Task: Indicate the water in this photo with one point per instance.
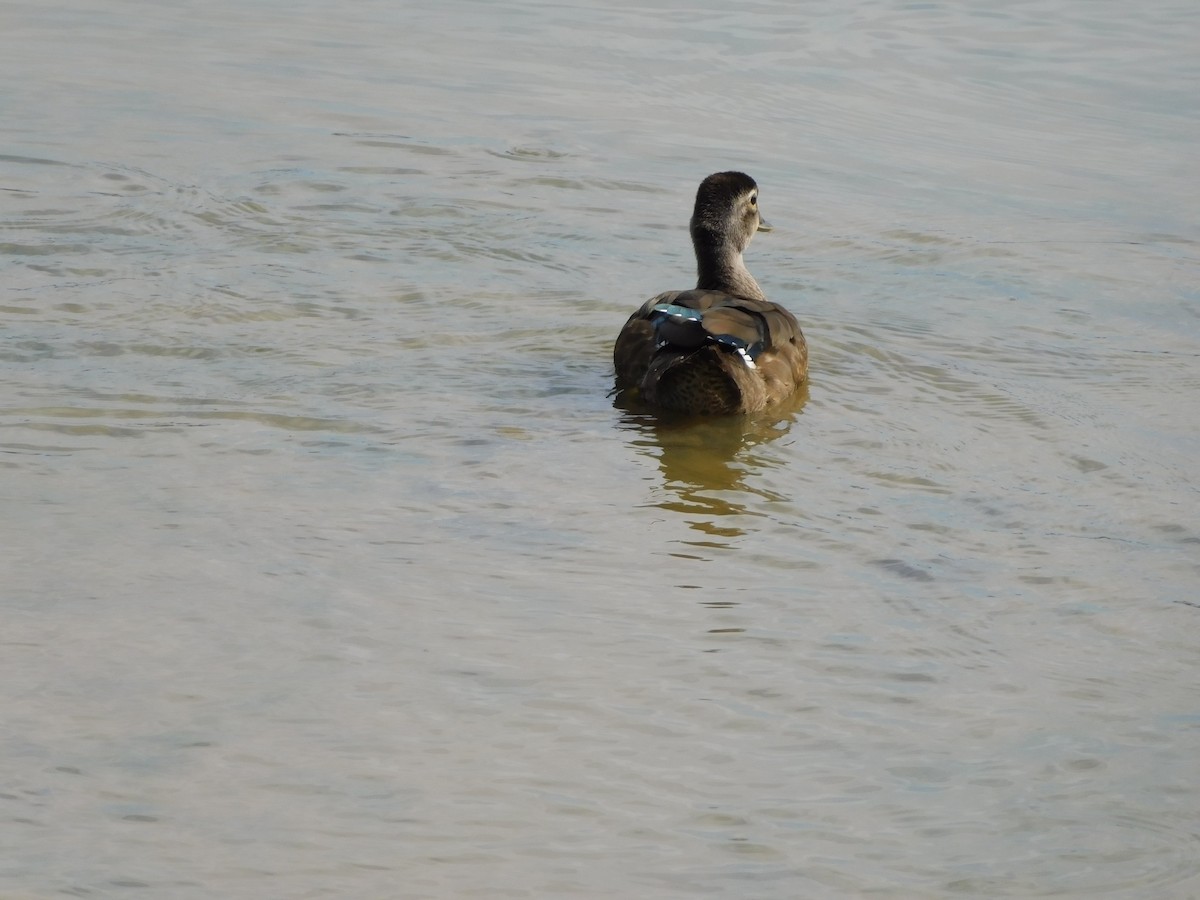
(331, 569)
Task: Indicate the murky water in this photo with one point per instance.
(329, 567)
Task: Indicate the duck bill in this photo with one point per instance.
(764, 225)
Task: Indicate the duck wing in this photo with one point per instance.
(670, 327)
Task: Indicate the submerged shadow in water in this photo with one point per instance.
(705, 461)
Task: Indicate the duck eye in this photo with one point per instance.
(754, 199)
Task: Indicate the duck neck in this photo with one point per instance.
(719, 267)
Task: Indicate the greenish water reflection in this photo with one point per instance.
(706, 462)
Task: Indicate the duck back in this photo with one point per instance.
(710, 353)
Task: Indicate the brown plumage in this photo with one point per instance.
(723, 347)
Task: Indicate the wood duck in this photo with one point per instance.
(722, 348)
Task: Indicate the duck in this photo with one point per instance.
(722, 348)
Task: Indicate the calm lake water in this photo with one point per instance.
(330, 568)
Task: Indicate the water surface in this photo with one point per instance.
(331, 568)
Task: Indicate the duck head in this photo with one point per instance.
(726, 216)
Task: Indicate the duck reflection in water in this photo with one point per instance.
(705, 461)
